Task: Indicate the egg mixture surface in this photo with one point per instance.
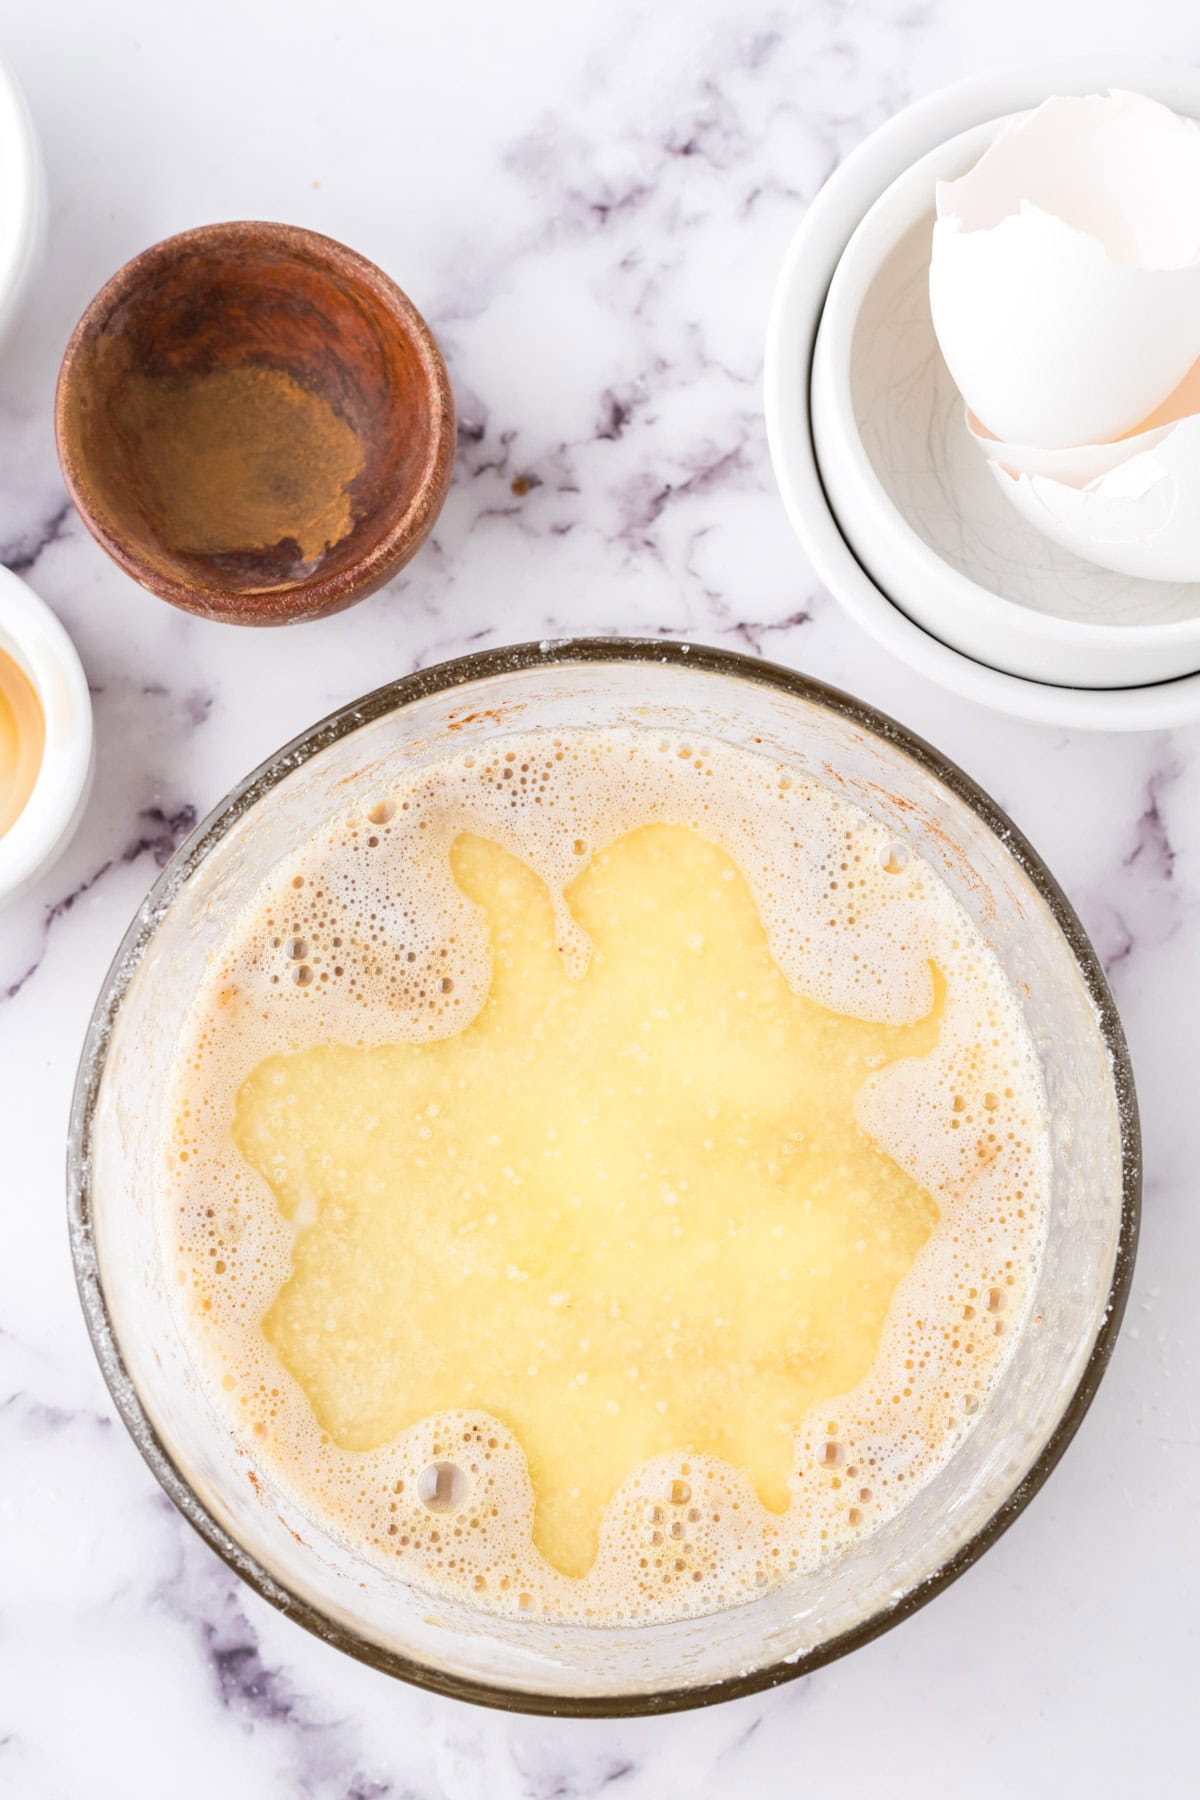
(605, 1175)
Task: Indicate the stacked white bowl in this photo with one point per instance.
(892, 499)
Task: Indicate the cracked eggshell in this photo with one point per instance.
(1132, 506)
(1140, 518)
(1065, 275)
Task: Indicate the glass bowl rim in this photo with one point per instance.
(394, 696)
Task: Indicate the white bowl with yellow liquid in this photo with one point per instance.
(45, 737)
(127, 1275)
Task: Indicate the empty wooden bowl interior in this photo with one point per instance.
(255, 422)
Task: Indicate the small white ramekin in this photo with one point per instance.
(876, 572)
(22, 199)
(37, 643)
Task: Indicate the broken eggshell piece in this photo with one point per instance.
(1065, 275)
(1140, 518)
(1132, 506)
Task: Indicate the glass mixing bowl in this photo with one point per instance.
(126, 1281)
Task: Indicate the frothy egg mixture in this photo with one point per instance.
(607, 1174)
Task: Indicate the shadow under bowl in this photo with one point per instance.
(255, 423)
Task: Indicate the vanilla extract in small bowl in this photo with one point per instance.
(255, 423)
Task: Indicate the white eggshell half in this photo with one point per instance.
(1065, 276)
(1140, 518)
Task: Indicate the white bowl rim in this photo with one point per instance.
(795, 313)
(33, 635)
(24, 184)
(852, 280)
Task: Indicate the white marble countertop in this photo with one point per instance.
(590, 204)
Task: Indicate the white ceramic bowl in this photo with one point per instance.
(916, 499)
(37, 643)
(915, 601)
(22, 199)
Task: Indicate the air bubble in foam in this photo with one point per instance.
(401, 954)
(443, 1487)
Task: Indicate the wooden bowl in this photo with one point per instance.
(255, 423)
